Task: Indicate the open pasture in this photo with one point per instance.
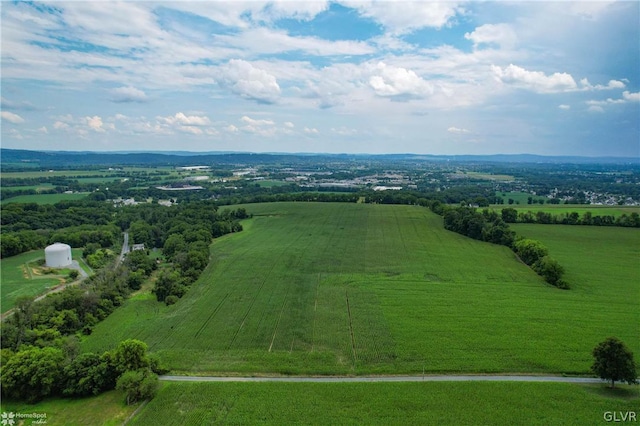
(45, 198)
(488, 176)
(54, 173)
(324, 288)
(37, 188)
(20, 276)
(18, 281)
(581, 209)
(444, 403)
(107, 409)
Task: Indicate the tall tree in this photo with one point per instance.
(614, 361)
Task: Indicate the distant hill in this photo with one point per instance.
(66, 159)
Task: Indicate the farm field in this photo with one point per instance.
(454, 403)
(271, 183)
(108, 409)
(16, 282)
(559, 209)
(487, 176)
(617, 253)
(323, 288)
(44, 198)
(38, 188)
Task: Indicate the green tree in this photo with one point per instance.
(510, 215)
(88, 374)
(175, 243)
(614, 361)
(550, 270)
(131, 354)
(138, 385)
(530, 251)
(33, 373)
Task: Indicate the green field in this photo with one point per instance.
(44, 198)
(105, 409)
(38, 188)
(444, 403)
(16, 281)
(271, 183)
(488, 176)
(56, 173)
(323, 288)
(559, 209)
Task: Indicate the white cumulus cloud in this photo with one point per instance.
(95, 123)
(185, 120)
(253, 122)
(631, 97)
(627, 97)
(536, 81)
(401, 17)
(564, 106)
(613, 84)
(11, 117)
(501, 34)
(397, 81)
(250, 82)
(458, 130)
(128, 94)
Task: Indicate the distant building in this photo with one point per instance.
(58, 255)
(137, 247)
(387, 188)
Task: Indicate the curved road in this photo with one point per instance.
(427, 378)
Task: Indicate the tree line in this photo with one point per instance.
(489, 226)
(511, 215)
(33, 373)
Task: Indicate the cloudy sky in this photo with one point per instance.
(552, 78)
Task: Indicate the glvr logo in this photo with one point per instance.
(620, 416)
(7, 419)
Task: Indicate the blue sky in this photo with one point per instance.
(550, 78)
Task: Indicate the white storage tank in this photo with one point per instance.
(58, 255)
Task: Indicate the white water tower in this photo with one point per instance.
(58, 255)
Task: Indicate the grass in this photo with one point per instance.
(16, 280)
(558, 209)
(38, 188)
(105, 409)
(45, 198)
(489, 176)
(56, 173)
(600, 263)
(444, 403)
(271, 183)
(323, 288)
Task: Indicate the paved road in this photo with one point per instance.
(125, 248)
(427, 378)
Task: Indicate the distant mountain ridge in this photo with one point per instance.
(183, 158)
